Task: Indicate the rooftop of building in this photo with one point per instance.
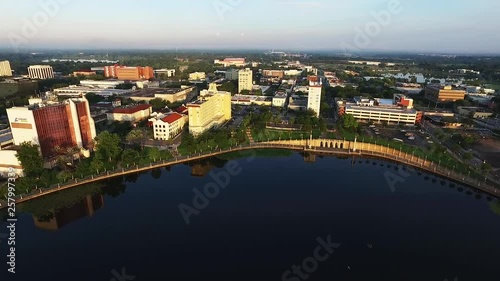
(234, 59)
(251, 98)
(131, 109)
(387, 109)
(444, 87)
(171, 118)
(148, 92)
(181, 109)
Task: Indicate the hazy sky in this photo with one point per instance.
(414, 25)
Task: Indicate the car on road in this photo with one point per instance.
(431, 142)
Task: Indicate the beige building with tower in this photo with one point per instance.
(5, 69)
(245, 80)
(213, 108)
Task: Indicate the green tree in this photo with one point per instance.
(31, 160)
(93, 98)
(230, 86)
(107, 148)
(130, 157)
(486, 168)
(154, 154)
(97, 165)
(136, 137)
(158, 104)
(349, 122)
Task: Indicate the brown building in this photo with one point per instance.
(129, 73)
(66, 215)
(50, 125)
(443, 94)
(274, 74)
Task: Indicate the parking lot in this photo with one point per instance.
(409, 136)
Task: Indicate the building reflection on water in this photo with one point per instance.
(64, 216)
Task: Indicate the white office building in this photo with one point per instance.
(314, 98)
(40, 72)
(245, 80)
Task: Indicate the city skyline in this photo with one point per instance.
(357, 26)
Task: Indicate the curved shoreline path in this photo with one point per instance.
(326, 146)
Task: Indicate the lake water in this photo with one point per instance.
(338, 219)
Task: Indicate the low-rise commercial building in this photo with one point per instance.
(197, 76)
(165, 72)
(213, 108)
(172, 95)
(252, 100)
(104, 84)
(84, 73)
(10, 164)
(79, 91)
(131, 114)
(443, 94)
(227, 62)
(167, 127)
(279, 100)
(475, 112)
(379, 110)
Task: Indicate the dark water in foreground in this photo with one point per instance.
(274, 214)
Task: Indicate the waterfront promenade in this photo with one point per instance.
(320, 146)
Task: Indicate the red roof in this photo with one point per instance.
(181, 109)
(172, 118)
(132, 110)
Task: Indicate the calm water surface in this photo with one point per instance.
(269, 218)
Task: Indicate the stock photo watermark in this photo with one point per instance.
(393, 178)
(31, 26)
(121, 276)
(12, 220)
(311, 264)
(224, 6)
(363, 36)
(211, 190)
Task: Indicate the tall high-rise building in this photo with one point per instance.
(245, 80)
(40, 72)
(213, 108)
(5, 69)
(314, 98)
(63, 124)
